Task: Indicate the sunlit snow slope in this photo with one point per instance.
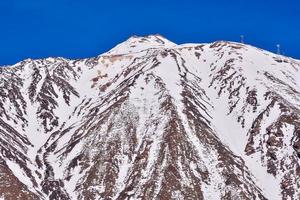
(152, 120)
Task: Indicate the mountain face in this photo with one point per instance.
(152, 120)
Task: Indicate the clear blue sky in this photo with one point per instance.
(85, 28)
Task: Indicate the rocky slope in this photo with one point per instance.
(152, 120)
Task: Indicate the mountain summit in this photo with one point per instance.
(152, 120)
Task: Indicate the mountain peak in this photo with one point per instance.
(136, 44)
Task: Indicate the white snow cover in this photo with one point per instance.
(250, 62)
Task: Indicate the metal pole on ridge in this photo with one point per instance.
(242, 39)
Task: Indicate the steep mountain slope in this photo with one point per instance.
(152, 120)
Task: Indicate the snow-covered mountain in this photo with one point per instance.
(152, 120)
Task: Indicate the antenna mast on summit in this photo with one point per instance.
(278, 49)
(242, 39)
